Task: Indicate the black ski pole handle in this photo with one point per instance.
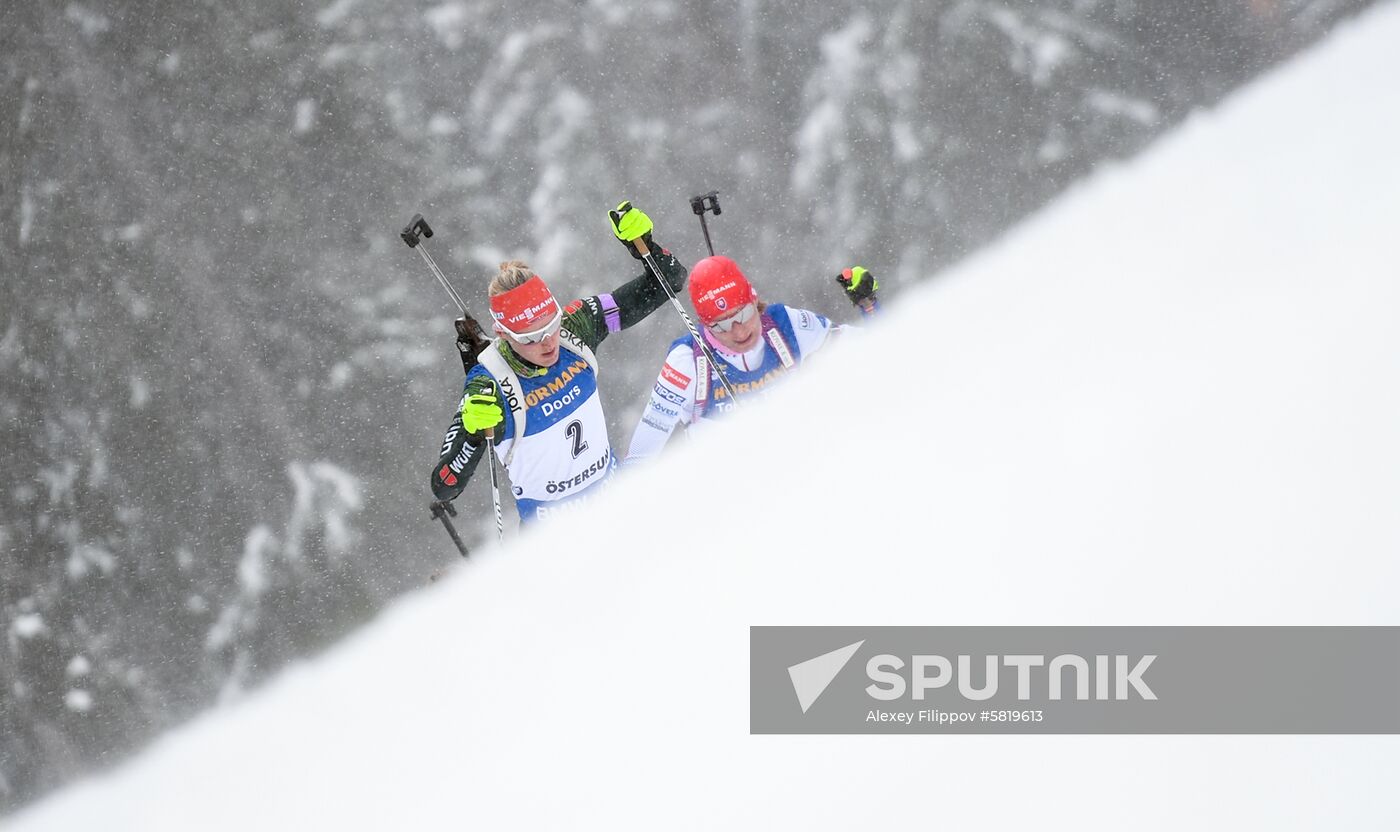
(417, 226)
(705, 202)
(701, 204)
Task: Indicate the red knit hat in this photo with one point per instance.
(525, 308)
(717, 287)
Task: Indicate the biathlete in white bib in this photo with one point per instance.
(536, 385)
(757, 343)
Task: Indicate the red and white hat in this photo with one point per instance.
(717, 287)
(526, 308)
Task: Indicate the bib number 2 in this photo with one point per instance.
(575, 433)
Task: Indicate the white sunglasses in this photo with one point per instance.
(535, 336)
(744, 315)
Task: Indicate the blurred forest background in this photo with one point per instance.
(225, 378)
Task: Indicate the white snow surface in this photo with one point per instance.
(1170, 398)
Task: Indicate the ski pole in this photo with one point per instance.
(441, 509)
(650, 260)
(701, 204)
(469, 332)
(495, 485)
(410, 235)
(413, 235)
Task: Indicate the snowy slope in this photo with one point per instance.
(1170, 399)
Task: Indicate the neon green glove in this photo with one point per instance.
(860, 286)
(481, 407)
(858, 282)
(629, 225)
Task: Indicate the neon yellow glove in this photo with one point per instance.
(629, 223)
(481, 407)
(860, 286)
(858, 282)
